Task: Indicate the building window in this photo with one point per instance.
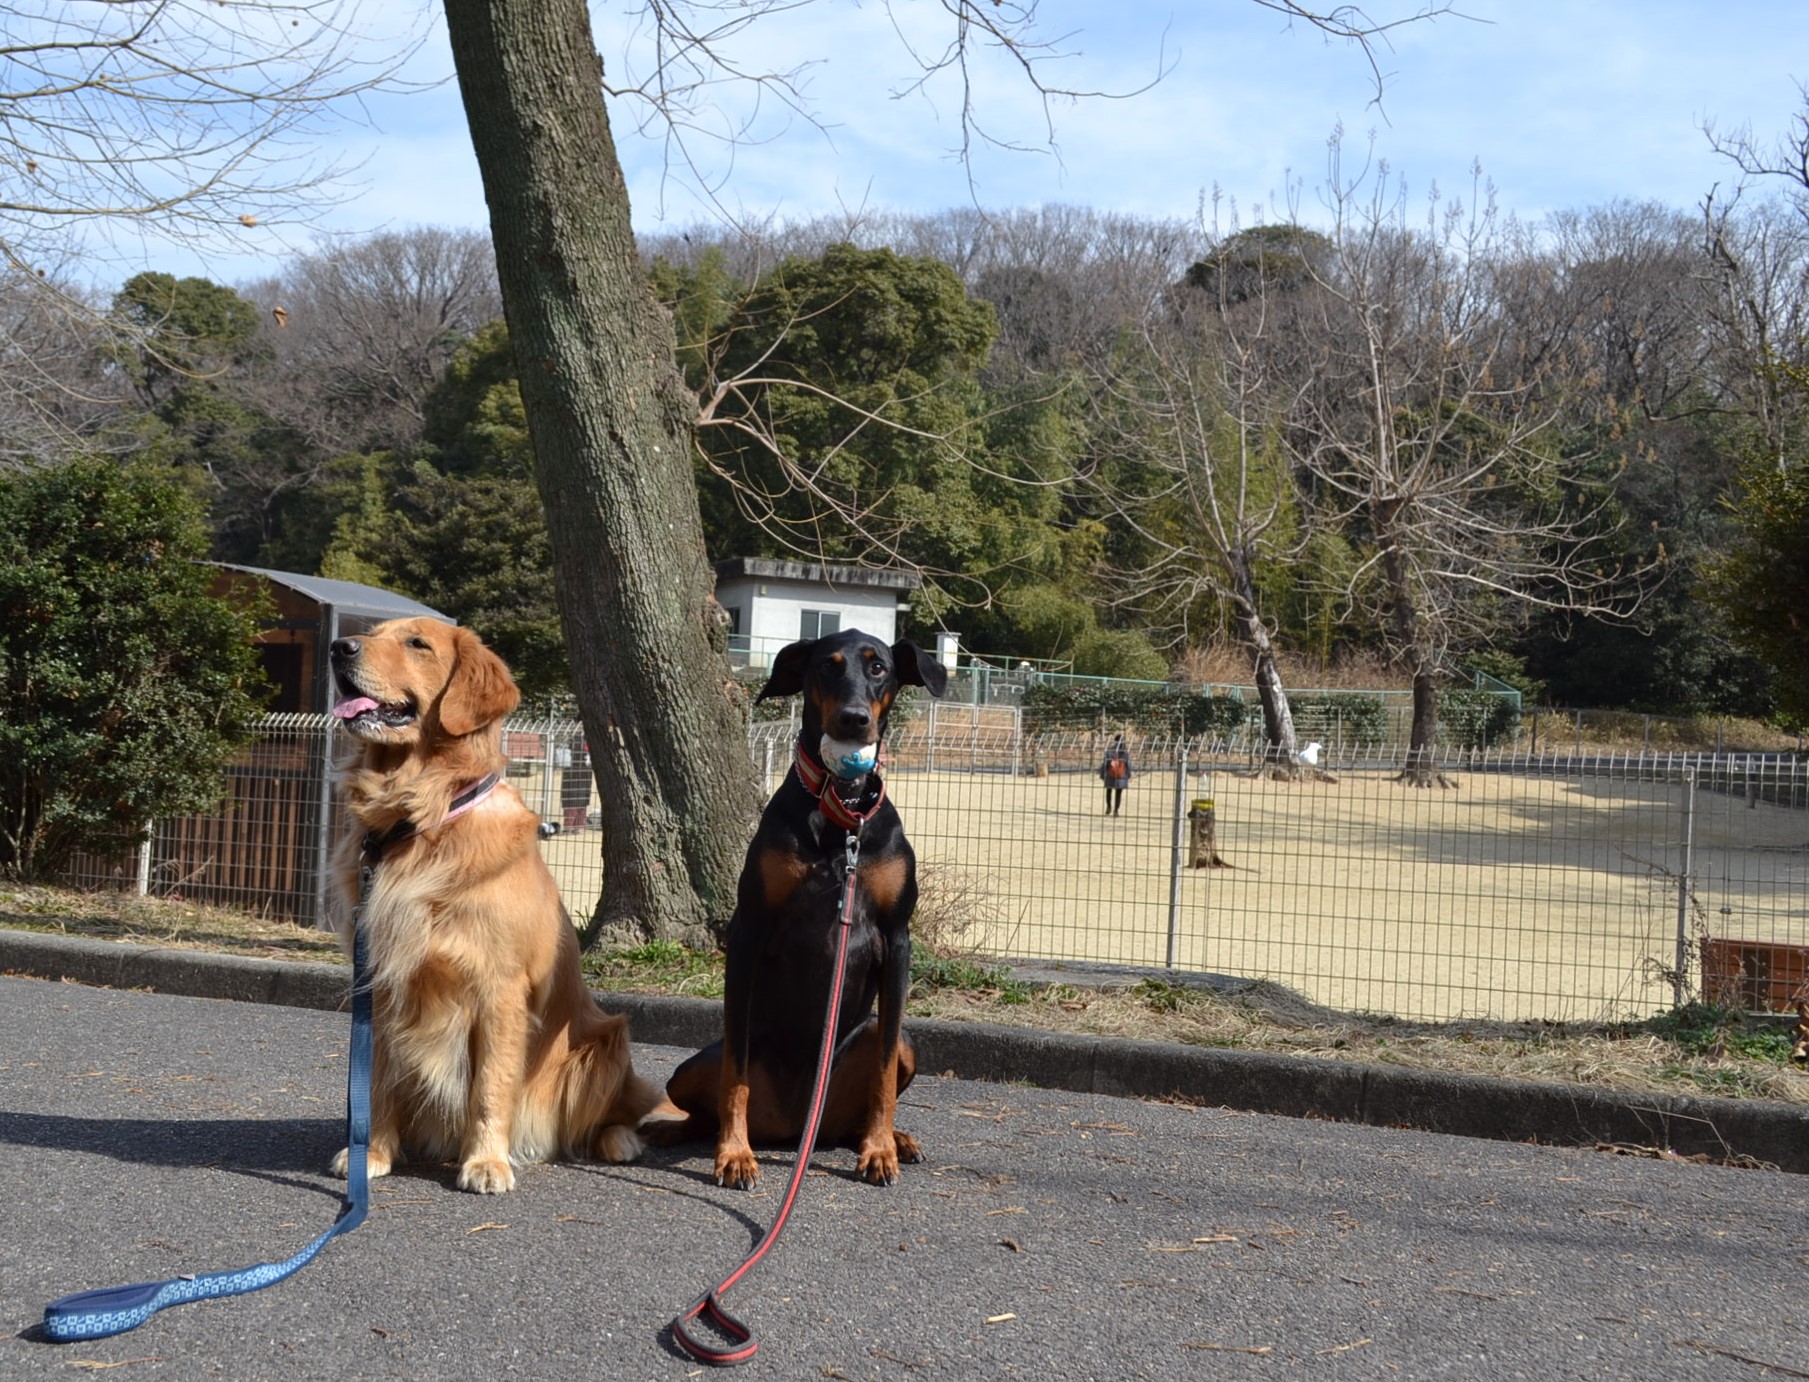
(819, 623)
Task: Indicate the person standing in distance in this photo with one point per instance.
(1115, 772)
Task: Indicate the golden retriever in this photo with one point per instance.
(489, 1047)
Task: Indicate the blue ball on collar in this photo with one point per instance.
(847, 759)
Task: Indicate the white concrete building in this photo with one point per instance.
(771, 603)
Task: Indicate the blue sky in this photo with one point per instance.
(1565, 103)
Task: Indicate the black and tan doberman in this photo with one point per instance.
(754, 1085)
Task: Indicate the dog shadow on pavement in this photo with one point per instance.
(284, 1151)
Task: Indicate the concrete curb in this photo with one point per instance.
(1386, 1096)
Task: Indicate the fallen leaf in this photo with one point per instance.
(484, 1228)
(1010, 1243)
(999, 1319)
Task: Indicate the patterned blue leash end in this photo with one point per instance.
(115, 1309)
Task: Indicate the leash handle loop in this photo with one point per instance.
(115, 1309)
(744, 1345)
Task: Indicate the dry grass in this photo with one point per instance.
(1696, 1051)
(1699, 1051)
(153, 921)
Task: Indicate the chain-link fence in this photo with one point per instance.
(1556, 884)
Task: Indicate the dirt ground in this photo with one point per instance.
(1511, 897)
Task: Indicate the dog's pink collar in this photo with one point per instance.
(376, 845)
(820, 782)
(472, 796)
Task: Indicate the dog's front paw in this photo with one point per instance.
(880, 1157)
(666, 1129)
(736, 1167)
(879, 1166)
(487, 1175)
(618, 1143)
(375, 1163)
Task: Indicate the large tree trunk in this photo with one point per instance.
(612, 429)
(1422, 741)
(1421, 769)
(1278, 717)
(1282, 757)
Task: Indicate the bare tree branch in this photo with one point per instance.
(1423, 440)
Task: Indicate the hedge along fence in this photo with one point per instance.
(1347, 718)
(1151, 707)
(1466, 719)
(1477, 719)
(1358, 719)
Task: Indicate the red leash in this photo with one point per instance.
(710, 1303)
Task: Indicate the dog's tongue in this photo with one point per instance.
(353, 705)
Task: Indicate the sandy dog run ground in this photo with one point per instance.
(1512, 896)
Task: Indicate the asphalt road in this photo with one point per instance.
(1051, 1234)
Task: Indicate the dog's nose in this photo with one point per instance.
(345, 649)
(851, 720)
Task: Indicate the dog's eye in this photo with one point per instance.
(875, 668)
(421, 643)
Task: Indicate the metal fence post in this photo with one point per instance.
(323, 833)
(1174, 860)
(1688, 866)
(144, 860)
(546, 772)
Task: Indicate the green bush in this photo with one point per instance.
(125, 686)
(1118, 653)
(1153, 707)
(1477, 719)
(1348, 717)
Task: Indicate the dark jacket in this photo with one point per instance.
(1116, 754)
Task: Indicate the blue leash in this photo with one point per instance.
(115, 1309)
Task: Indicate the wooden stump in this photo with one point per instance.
(1203, 832)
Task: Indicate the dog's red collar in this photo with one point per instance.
(820, 783)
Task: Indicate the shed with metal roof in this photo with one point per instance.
(306, 613)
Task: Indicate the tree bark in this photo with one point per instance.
(1422, 742)
(1421, 769)
(1278, 718)
(612, 428)
(1282, 758)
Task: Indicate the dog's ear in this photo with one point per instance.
(914, 667)
(480, 690)
(787, 675)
